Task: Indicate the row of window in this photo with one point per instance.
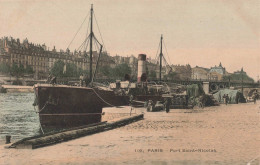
(29, 63)
(35, 58)
(3, 60)
(37, 64)
(39, 69)
(18, 53)
(28, 57)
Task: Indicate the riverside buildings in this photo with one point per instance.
(36, 56)
(214, 73)
(41, 60)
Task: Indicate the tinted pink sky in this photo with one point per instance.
(201, 32)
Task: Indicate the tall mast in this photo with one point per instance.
(161, 54)
(90, 44)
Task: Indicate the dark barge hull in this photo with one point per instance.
(69, 106)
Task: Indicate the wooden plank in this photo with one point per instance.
(58, 137)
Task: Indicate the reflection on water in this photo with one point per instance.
(17, 116)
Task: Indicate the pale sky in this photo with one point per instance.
(196, 32)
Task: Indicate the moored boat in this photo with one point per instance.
(72, 106)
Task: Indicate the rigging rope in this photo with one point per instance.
(157, 57)
(99, 32)
(96, 46)
(78, 30)
(86, 45)
(103, 99)
(97, 40)
(39, 112)
(157, 52)
(88, 27)
(87, 37)
(98, 59)
(42, 108)
(167, 63)
(79, 48)
(82, 45)
(166, 51)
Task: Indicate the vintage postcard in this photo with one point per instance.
(130, 82)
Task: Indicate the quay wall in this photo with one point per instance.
(17, 88)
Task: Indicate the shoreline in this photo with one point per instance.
(18, 88)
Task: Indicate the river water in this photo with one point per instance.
(19, 119)
(17, 116)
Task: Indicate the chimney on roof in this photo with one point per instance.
(44, 47)
(25, 40)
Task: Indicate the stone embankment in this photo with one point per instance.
(17, 88)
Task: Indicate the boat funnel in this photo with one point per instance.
(141, 66)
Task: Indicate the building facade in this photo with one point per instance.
(215, 73)
(200, 73)
(184, 72)
(240, 72)
(41, 60)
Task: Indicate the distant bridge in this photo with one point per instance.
(221, 84)
(213, 84)
(216, 85)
